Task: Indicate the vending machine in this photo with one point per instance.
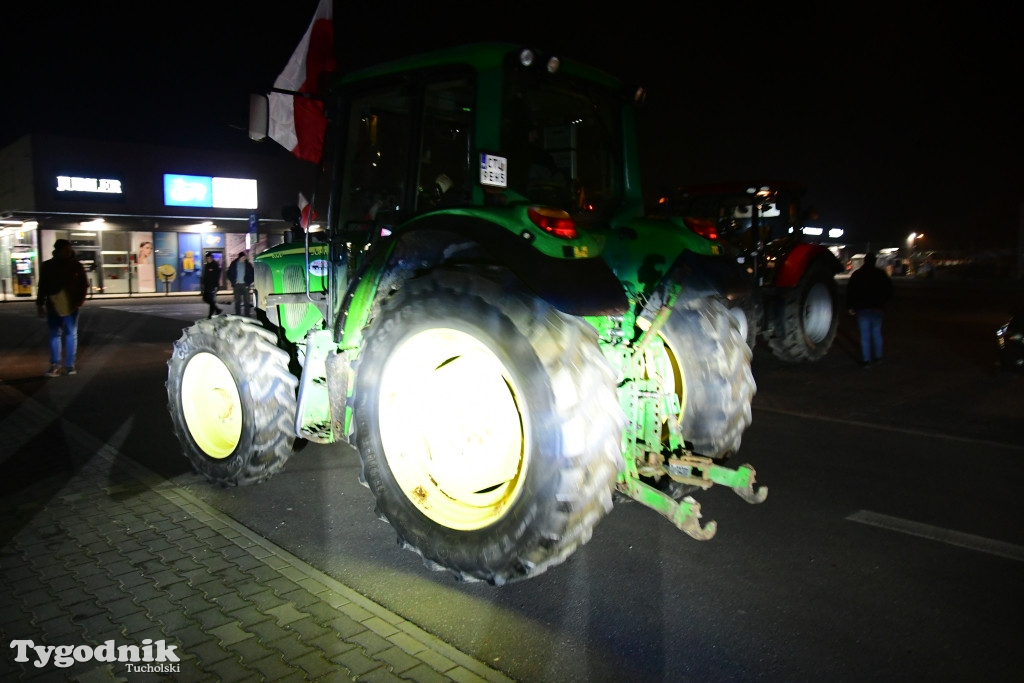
(23, 271)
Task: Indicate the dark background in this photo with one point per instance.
(899, 118)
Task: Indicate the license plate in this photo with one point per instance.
(493, 170)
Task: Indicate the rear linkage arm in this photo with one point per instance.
(702, 472)
(686, 469)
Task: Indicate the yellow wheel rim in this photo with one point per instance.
(660, 362)
(452, 428)
(211, 405)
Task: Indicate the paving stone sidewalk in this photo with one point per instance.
(121, 554)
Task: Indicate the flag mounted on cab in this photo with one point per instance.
(297, 119)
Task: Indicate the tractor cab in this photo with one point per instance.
(413, 138)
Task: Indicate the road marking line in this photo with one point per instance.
(888, 428)
(957, 538)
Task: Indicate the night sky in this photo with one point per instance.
(899, 118)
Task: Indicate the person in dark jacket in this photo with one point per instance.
(241, 275)
(211, 283)
(61, 293)
(867, 292)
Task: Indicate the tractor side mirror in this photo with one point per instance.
(259, 117)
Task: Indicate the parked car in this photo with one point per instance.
(1010, 340)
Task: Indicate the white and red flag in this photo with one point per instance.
(298, 123)
(306, 212)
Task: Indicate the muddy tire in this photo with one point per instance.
(806, 317)
(488, 426)
(232, 400)
(709, 371)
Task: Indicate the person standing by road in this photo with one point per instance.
(241, 275)
(867, 292)
(61, 293)
(210, 284)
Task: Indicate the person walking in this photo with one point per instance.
(210, 284)
(60, 295)
(867, 292)
(241, 275)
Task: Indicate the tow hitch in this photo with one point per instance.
(699, 471)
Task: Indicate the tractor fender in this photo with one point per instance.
(711, 274)
(576, 286)
(796, 262)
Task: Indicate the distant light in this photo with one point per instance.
(835, 233)
(812, 231)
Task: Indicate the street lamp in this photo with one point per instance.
(912, 239)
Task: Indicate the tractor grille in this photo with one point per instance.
(264, 284)
(294, 280)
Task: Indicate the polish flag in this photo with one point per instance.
(298, 123)
(306, 211)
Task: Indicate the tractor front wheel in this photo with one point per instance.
(232, 400)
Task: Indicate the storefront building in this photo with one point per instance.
(141, 218)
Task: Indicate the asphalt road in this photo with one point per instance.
(889, 547)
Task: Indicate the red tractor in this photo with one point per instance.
(796, 306)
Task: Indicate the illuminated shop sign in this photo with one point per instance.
(67, 183)
(209, 192)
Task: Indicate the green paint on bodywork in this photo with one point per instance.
(641, 251)
(289, 269)
(515, 219)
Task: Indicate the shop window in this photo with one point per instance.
(115, 263)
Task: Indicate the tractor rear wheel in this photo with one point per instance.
(806, 317)
(708, 369)
(232, 400)
(487, 424)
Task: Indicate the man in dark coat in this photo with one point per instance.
(867, 292)
(241, 275)
(61, 293)
(211, 283)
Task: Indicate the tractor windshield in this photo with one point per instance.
(557, 135)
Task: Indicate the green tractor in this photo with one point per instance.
(487, 316)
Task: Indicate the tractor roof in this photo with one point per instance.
(479, 56)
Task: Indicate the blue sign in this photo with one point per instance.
(188, 190)
(213, 240)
